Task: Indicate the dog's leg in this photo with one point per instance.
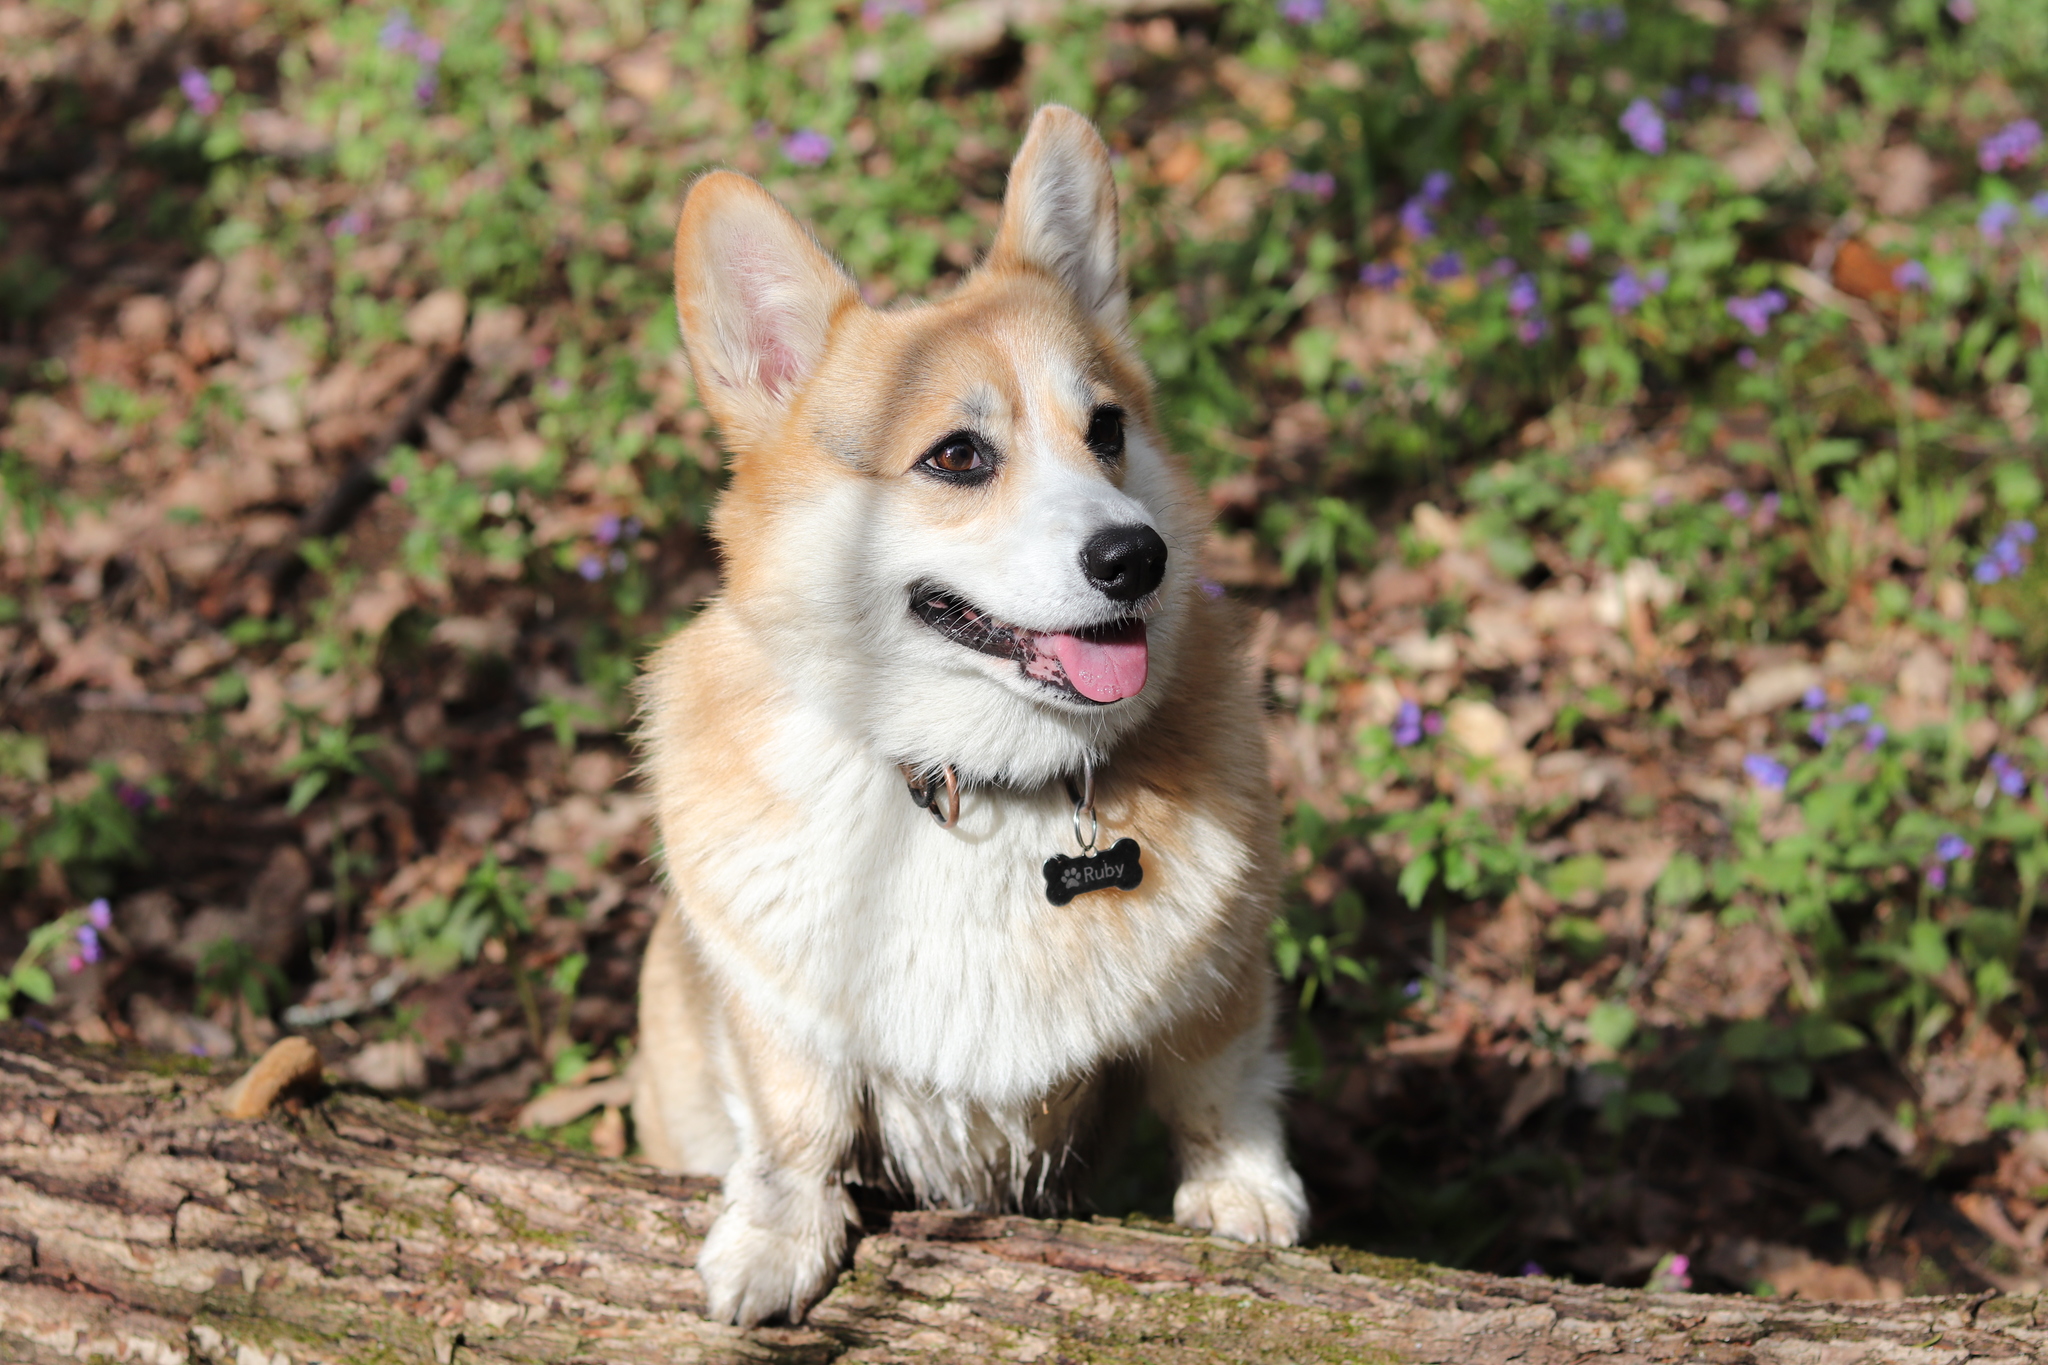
(1223, 1112)
(678, 1114)
(779, 1242)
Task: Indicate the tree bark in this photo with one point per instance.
(137, 1223)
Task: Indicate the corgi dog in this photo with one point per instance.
(962, 638)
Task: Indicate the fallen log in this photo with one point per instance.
(139, 1223)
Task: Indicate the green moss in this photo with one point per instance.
(515, 1223)
(1183, 1327)
(1394, 1269)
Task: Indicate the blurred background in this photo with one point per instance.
(1623, 429)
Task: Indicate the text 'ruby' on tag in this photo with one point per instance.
(1067, 877)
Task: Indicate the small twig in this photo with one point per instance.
(146, 703)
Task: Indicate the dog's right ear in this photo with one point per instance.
(756, 298)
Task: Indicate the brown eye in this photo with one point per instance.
(1106, 433)
(959, 458)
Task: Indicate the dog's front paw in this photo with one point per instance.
(757, 1268)
(1268, 1208)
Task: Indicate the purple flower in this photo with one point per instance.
(1756, 311)
(1873, 738)
(1910, 275)
(1523, 296)
(1962, 11)
(351, 224)
(1859, 714)
(2007, 774)
(875, 13)
(1743, 98)
(1436, 187)
(1736, 501)
(807, 147)
(1996, 218)
(100, 915)
(1448, 266)
(88, 943)
(1765, 771)
(1501, 269)
(199, 91)
(1380, 275)
(2008, 555)
(1415, 219)
(608, 527)
(1629, 290)
(1302, 11)
(591, 567)
(2011, 147)
(1531, 1268)
(1768, 505)
(1937, 877)
(1321, 184)
(1578, 247)
(1411, 723)
(1950, 848)
(1822, 727)
(1644, 126)
(1814, 698)
(397, 33)
(1746, 357)
(75, 965)
(132, 796)
(1532, 330)
(2038, 205)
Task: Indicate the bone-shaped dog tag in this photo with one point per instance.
(1067, 877)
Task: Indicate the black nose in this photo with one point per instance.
(1126, 562)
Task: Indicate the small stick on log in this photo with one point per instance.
(289, 1063)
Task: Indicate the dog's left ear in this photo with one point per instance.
(1059, 214)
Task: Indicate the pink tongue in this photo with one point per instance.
(1109, 667)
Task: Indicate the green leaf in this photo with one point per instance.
(1683, 881)
(1791, 1081)
(1416, 878)
(1611, 1024)
(1655, 1104)
(33, 982)
(1585, 874)
(1819, 1037)
(305, 790)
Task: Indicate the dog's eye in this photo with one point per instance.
(958, 458)
(1106, 432)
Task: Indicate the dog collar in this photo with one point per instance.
(1066, 876)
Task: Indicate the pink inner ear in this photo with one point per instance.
(778, 367)
(769, 290)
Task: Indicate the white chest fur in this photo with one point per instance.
(929, 959)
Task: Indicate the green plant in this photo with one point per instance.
(436, 934)
(230, 970)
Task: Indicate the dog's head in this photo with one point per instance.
(952, 523)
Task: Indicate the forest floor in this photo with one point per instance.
(1657, 749)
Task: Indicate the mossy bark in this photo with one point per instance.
(138, 1224)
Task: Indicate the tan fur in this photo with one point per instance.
(849, 992)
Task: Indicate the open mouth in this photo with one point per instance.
(1099, 664)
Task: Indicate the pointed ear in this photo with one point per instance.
(1059, 214)
(756, 298)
